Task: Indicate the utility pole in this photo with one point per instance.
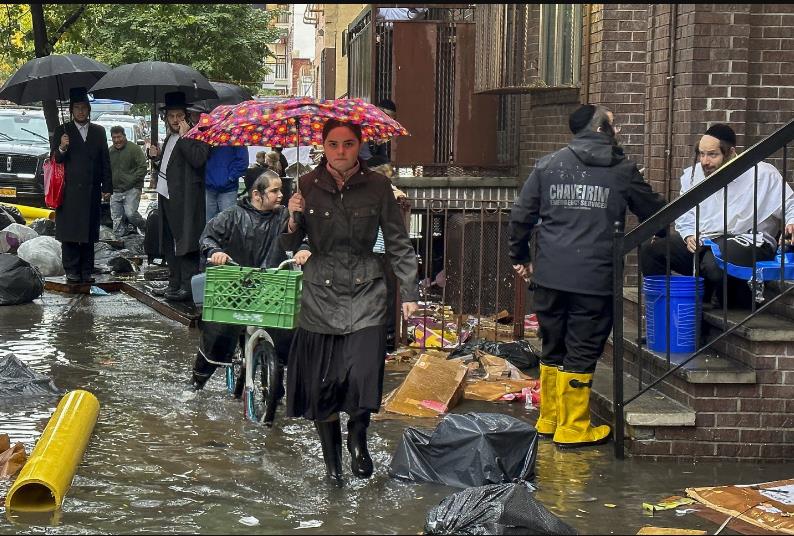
(42, 49)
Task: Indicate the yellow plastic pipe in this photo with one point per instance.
(31, 213)
(46, 477)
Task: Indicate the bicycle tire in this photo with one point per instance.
(262, 401)
(235, 374)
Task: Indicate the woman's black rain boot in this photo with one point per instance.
(331, 440)
(360, 460)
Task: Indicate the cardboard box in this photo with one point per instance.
(437, 382)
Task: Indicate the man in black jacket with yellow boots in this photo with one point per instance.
(574, 197)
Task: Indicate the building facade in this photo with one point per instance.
(278, 79)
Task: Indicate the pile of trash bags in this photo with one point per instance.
(492, 456)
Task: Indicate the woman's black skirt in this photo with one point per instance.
(331, 373)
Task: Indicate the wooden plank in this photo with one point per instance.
(59, 284)
(183, 312)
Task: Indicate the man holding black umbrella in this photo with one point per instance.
(83, 149)
(180, 185)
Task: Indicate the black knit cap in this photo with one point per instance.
(722, 132)
(581, 117)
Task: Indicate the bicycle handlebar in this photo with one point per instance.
(280, 266)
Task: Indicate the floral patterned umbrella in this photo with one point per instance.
(290, 122)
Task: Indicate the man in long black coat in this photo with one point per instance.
(180, 188)
(83, 149)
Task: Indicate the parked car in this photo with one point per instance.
(24, 146)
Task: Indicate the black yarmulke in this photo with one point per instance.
(581, 117)
(722, 132)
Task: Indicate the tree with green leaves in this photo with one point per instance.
(225, 42)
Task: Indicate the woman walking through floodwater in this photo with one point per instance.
(337, 357)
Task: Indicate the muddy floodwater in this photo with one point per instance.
(161, 460)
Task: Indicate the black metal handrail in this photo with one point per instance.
(624, 243)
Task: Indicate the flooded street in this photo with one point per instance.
(163, 461)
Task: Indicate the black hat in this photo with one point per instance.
(78, 94)
(581, 117)
(722, 132)
(175, 99)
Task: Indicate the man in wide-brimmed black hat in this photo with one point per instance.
(180, 185)
(82, 148)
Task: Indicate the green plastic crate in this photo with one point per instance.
(252, 297)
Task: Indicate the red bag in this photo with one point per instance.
(53, 182)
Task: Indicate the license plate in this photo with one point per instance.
(8, 191)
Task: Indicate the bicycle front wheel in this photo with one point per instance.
(262, 399)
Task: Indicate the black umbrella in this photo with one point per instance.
(227, 94)
(149, 81)
(51, 77)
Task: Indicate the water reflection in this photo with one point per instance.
(159, 461)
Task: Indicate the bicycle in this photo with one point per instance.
(255, 374)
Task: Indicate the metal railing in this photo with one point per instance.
(626, 243)
(464, 267)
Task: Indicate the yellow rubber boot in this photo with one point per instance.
(547, 420)
(573, 412)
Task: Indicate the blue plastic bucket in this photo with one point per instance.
(684, 312)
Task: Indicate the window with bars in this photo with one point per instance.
(560, 44)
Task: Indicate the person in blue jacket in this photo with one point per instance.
(225, 166)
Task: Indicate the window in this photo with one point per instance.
(344, 42)
(281, 66)
(282, 17)
(560, 44)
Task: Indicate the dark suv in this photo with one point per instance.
(24, 146)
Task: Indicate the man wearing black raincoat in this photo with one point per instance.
(572, 200)
(82, 148)
(180, 185)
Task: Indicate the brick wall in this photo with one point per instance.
(543, 128)
(617, 77)
(770, 79)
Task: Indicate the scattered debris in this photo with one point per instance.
(670, 503)
(768, 505)
(249, 521)
(11, 458)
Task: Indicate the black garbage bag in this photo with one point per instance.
(151, 241)
(120, 264)
(20, 282)
(5, 218)
(520, 353)
(17, 379)
(14, 213)
(43, 226)
(134, 243)
(472, 449)
(495, 509)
